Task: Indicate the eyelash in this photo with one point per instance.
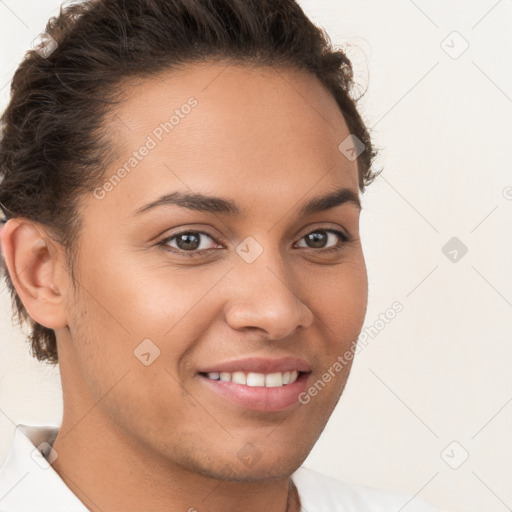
(195, 253)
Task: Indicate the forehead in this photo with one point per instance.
(257, 133)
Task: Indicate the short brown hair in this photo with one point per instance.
(53, 149)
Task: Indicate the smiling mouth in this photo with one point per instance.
(264, 392)
(254, 379)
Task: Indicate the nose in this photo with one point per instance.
(265, 296)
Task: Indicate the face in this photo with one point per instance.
(250, 287)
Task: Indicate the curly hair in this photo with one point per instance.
(53, 146)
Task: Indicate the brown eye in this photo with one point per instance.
(317, 239)
(188, 241)
(193, 242)
(322, 238)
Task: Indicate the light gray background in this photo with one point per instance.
(440, 371)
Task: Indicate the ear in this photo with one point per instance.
(35, 267)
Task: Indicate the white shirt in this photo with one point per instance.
(28, 483)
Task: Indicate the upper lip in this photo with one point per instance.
(259, 365)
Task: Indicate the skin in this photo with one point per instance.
(138, 437)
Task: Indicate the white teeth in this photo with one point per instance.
(238, 378)
(269, 380)
(255, 379)
(273, 380)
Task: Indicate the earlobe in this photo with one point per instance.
(33, 264)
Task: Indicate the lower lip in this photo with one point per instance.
(259, 398)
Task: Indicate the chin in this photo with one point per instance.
(274, 468)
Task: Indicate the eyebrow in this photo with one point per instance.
(213, 204)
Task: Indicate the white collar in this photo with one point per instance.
(27, 481)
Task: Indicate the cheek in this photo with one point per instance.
(142, 293)
(340, 300)
(129, 391)
(131, 301)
